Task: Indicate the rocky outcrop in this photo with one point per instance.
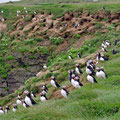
(24, 67)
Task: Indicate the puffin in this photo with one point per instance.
(73, 80)
(102, 73)
(26, 12)
(64, 92)
(18, 101)
(73, 72)
(33, 95)
(43, 97)
(44, 87)
(98, 75)
(6, 109)
(44, 91)
(107, 42)
(90, 62)
(101, 57)
(114, 52)
(103, 7)
(14, 107)
(91, 78)
(70, 75)
(28, 100)
(104, 49)
(45, 66)
(79, 56)
(1, 110)
(103, 44)
(24, 104)
(24, 8)
(77, 83)
(78, 70)
(35, 12)
(2, 11)
(89, 69)
(70, 57)
(116, 41)
(54, 83)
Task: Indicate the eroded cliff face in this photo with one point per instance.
(23, 68)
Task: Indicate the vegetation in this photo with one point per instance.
(92, 102)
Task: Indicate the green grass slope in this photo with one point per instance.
(91, 102)
(99, 101)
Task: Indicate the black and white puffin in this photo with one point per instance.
(6, 109)
(18, 101)
(78, 70)
(54, 83)
(91, 78)
(24, 104)
(73, 72)
(1, 110)
(77, 83)
(45, 66)
(33, 95)
(104, 49)
(28, 100)
(98, 75)
(44, 91)
(107, 42)
(116, 41)
(101, 57)
(89, 69)
(43, 97)
(70, 75)
(44, 87)
(91, 63)
(103, 7)
(73, 80)
(114, 52)
(79, 56)
(102, 73)
(70, 57)
(14, 107)
(64, 92)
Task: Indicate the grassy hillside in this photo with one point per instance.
(97, 101)
(31, 2)
(91, 102)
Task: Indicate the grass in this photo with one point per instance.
(91, 102)
(94, 102)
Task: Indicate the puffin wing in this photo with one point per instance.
(33, 102)
(57, 84)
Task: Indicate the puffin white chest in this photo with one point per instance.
(63, 93)
(14, 110)
(77, 84)
(24, 105)
(53, 83)
(42, 98)
(73, 82)
(1, 112)
(77, 70)
(102, 74)
(98, 75)
(18, 102)
(90, 79)
(88, 70)
(44, 92)
(70, 57)
(101, 58)
(28, 101)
